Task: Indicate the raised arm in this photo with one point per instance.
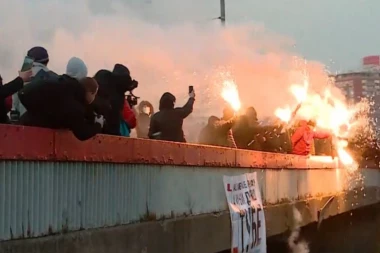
(187, 109)
(321, 135)
(10, 88)
(224, 125)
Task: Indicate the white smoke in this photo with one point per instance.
(295, 245)
(161, 58)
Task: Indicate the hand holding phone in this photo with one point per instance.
(191, 92)
(27, 64)
(26, 76)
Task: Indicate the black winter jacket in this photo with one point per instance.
(169, 120)
(7, 90)
(58, 104)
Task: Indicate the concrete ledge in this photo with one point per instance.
(203, 233)
(38, 144)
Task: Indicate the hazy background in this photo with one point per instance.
(170, 44)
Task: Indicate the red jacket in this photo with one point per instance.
(129, 116)
(303, 138)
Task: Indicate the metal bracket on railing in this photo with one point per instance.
(322, 211)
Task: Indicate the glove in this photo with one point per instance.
(99, 119)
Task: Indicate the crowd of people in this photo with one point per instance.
(105, 104)
(246, 132)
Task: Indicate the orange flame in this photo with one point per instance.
(330, 114)
(284, 114)
(231, 95)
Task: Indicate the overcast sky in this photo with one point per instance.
(337, 32)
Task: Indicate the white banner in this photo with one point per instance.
(247, 214)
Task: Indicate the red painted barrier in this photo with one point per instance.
(28, 143)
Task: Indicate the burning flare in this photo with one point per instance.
(231, 95)
(284, 114)
(329, 113)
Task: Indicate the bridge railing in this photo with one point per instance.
(52, 183)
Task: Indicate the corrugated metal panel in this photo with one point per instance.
(40, 198)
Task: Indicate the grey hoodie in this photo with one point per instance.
(16, 104)
(76, 68)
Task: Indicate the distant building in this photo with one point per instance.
(363, 84)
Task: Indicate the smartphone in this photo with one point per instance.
(27, 64)
(191, 89)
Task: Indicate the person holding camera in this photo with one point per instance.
(167, 123)
(111, 98)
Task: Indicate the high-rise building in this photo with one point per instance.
(364, 83)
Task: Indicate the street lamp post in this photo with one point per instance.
(223, 12)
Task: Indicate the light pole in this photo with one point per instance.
(222, 16)
(223, 12)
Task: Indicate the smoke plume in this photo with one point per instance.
(295, 245)
(161, 57)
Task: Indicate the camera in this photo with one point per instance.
(133, 85)
(131, 99)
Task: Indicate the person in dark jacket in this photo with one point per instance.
(62, 104)
(145, 111)
(8, 90)
(223, 127)
(111, 96)
(39, 71)
(245, 134)
(208, 134)
(167, 123)
(251, 114)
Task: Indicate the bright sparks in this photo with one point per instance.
(231, 95)
(329, 113)
(284, 114)
(344, 156)
(300, 92)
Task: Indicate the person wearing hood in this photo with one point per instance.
(111, 96)
(208, 135)
(251, 114)
(167, 123)
(8, 89)
(223, 128)
(303, 137)
(62, 104)
(39, 71)
(145, 111)
(76, 68)
(245, 135)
